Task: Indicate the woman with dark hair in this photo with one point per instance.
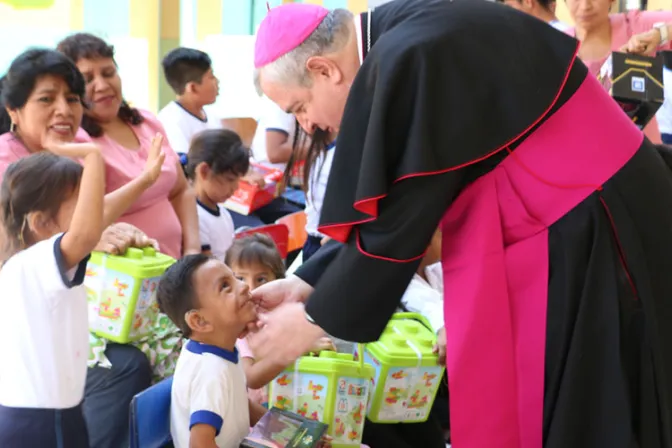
(166, 212)
(41, 102)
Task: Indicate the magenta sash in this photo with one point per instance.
(495, 262)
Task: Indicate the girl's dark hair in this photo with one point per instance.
(87, 46)
(24, 71)
(221, 149)
(257, 248)
(21, 195)
(319, 143)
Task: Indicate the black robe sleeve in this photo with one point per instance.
(311, 271)
(362, 287)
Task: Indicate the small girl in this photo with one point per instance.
(255, 260)
(52, 212)
(217, 161)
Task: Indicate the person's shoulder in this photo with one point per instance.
(11, 148)
(168, 109)
(32, 257)
(148, 116)
(172, 113)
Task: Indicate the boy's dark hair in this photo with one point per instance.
(221, 149)
(87, 46)
(257, 248)
(176, 294)
(184, 65)
(19, 82)
(21, 195)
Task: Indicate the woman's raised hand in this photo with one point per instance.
(155, 159)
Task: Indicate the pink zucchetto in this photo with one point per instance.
(285, 28)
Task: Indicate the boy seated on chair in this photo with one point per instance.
(209, 402)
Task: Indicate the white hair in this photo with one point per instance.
(330, 36)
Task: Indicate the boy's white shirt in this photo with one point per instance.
(209, 388)
(425, 297)
(181, 126)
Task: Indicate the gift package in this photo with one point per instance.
(284, 429)
(636, 83)
(249, 197)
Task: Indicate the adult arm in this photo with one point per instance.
(646, 37)
(183, 200)
(311, 271)
(118, 201)
(362, 288)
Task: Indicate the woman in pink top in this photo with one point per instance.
(167, 211)
(601, 33)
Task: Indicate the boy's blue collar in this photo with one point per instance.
(331, 145)
(200, 348)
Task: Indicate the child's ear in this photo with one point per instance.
(203, 170)
(39, 224)
(190, 87)
(197, 322)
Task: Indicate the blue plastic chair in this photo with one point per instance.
(150, 417)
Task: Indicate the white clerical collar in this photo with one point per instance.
(360, 45)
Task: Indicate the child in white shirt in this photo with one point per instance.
(217, 161)
(209, 403)
(189, 73)
(53, 215)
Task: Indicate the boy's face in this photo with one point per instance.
(225, 303)
(219, 187)
(208, 89)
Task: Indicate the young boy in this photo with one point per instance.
(209, 402)
(217, 160)
(189, 74)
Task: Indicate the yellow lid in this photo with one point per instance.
(407, 340)
(140, 263)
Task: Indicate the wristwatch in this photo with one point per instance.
(662, 29)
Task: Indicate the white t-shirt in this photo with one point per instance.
(664, 114)
(209, 387)
(216, 229)
(272, 118)
(426, 297)
(44, 318)
(181, 125)
(316, 190)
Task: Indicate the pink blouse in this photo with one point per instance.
(623, 27)
(11, 150)
(152, 212)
